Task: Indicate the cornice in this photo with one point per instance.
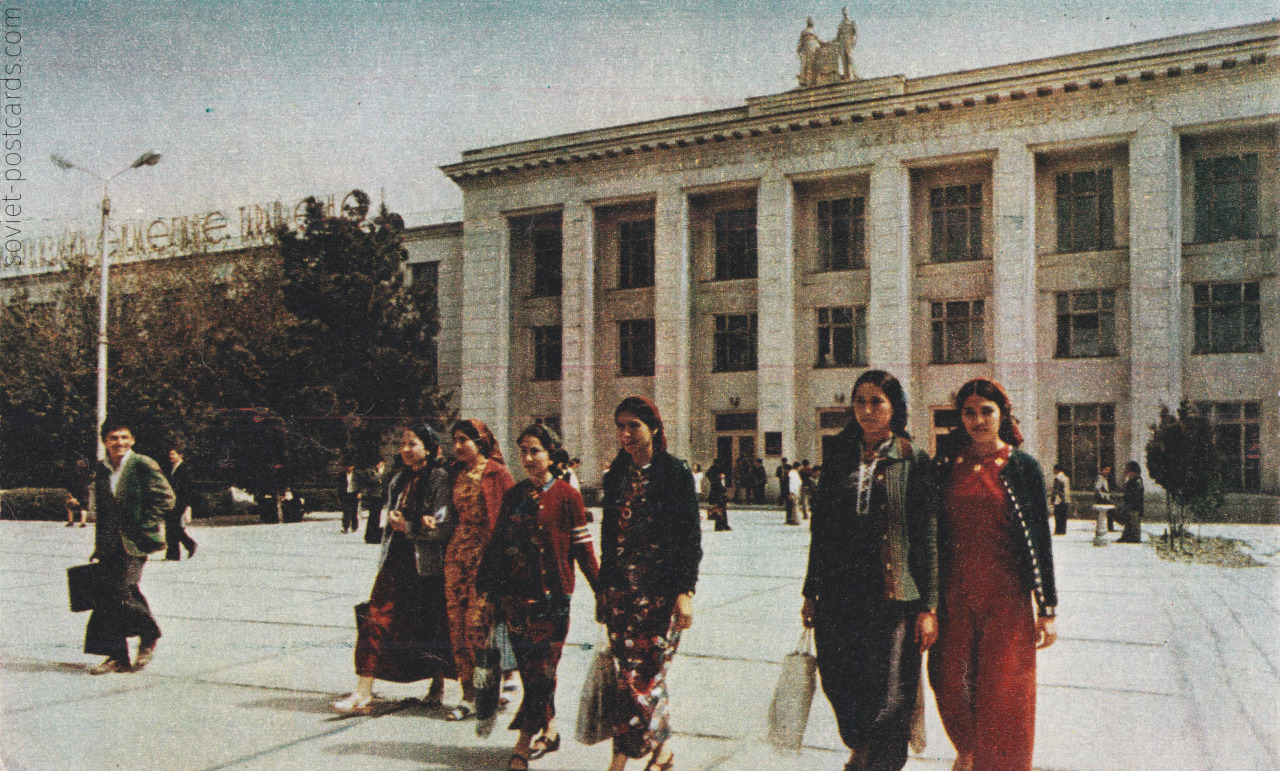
(1216, 52)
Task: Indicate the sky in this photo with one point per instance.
(251, 102)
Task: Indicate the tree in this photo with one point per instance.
(1182, 458)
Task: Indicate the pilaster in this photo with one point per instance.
(672, 314)
(889, 263)
(486, 321)
(577, 320)
(776, 310)
(1012, 314)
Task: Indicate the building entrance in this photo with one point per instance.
(736, 451)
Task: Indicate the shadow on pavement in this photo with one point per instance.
(44, 666)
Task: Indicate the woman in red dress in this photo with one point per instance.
(998, 598)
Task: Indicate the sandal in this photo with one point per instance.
(523, 760)
(353, 704)
(542, 746)
(666, 765)
(461, 712)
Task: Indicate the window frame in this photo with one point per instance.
(829, 235)
(548, 258)
(1103, 425)
(1211, 203)
(736, 246)
(1085, 193)
(1245, 477)
(944, 214)
(633, 362)
(1209, 313)
(724, 358)
(940, 327)
(633, 273)
(548, 368)
(857, 331)
(1104, 309)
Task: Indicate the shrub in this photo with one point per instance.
(40, 503)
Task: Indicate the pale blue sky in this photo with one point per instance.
(253, 102)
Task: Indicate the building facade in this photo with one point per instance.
(1097, 231)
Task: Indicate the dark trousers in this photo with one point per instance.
(175, 536)
(121, 611)
(1060, 512)
(350, 512)
(1132, 521)
(373, 520)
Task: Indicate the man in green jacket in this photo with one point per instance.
(132, 498)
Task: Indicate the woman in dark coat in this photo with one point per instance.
(995, 559)
(717, 497)
(403, 633)
(872, 585)
(650, 547)
(527, 575)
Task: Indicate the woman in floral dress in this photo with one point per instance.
(480, 482)
(650, 549)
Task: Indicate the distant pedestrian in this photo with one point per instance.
(793, 494)
(373, 497)
(994, 557)
(175, 535)
(807, 487)
(1102, 497)
(717, 498)
(349, 498)
(570, 475)
(132, 498)
(742, 480)
(1060, 499)
(784, 481)
(698, 476)
(759, 481)
(78, 492)
(1132, 501)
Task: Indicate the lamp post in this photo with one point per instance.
(148, 158)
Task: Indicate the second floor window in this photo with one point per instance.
(1227, 318)
(1226, 197)
(841, 234)
(958, 329)
(955, 223)
(842, 337)
(635, 254)
(735, 343)
(735, 244)
(546, 260)
(1086, 212)
(546, 353)
(1086, 324)
(635, 347)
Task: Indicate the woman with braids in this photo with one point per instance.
(998, 597)
(527, 575)
(479, 483)
(404, 635)
(871, 590)
(650, 547)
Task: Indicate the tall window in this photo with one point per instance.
(736, 244)
(842, 239)
(635, 253)
(1086, 213)
(1086, 441)
(1086, 324)
(546, 258)
(1237, 435)
(735, 343)
(1227, 318)
(842, 337)
(955, 232)
(1226, 197)
(958, 331)
(546, 353)
(635, 347)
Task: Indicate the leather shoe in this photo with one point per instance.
(146, 652)
(191, 550)
(109, 665)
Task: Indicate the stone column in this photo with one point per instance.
(578, 320)
(1155, 281)
(486, 321)
(776, 311)
(1012, 310)
(672, 314)
(889, 313)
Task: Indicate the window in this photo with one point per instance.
(735, 421)
(735, 343)
(958, 332)
(1227, 318)
(736, 244)
(635, 347)
(842, 337)
(635, 254)
(1226, 197)
(1086, 214)
(546, 353)
(842, 237)
(1086, 441)
(955, 232)
(1237, 435)
(1086, 324)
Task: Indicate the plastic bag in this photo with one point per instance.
(793, 696)
(597, 707)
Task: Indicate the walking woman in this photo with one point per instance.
(480, 482)
(403, 636)
(717, 497)
(871, 590)
(994, 558)
(650, 547)
(527, 574)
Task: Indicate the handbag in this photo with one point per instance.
(597, 706)
(83, 582)
(793, 696)
(487, 679)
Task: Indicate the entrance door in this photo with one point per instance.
(735, 440)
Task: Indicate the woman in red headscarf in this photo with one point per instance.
(998, 599)
(481, 479)
(650, 544)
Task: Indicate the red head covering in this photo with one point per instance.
(479, 433)
(648, 414)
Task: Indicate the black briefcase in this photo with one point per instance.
(83, 582)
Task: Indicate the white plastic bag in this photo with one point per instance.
(793, 696)
(597, 705)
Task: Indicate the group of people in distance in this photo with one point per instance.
(467, 550)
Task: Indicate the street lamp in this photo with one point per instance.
(148, 158)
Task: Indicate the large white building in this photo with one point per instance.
(1097, 231)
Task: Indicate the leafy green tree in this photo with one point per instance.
(1182, 458)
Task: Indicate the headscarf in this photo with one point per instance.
(648, 414)
(993, 391)
(479, 433)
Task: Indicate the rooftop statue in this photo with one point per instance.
(827, 62)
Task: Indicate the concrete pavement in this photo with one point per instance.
(1158, 665)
